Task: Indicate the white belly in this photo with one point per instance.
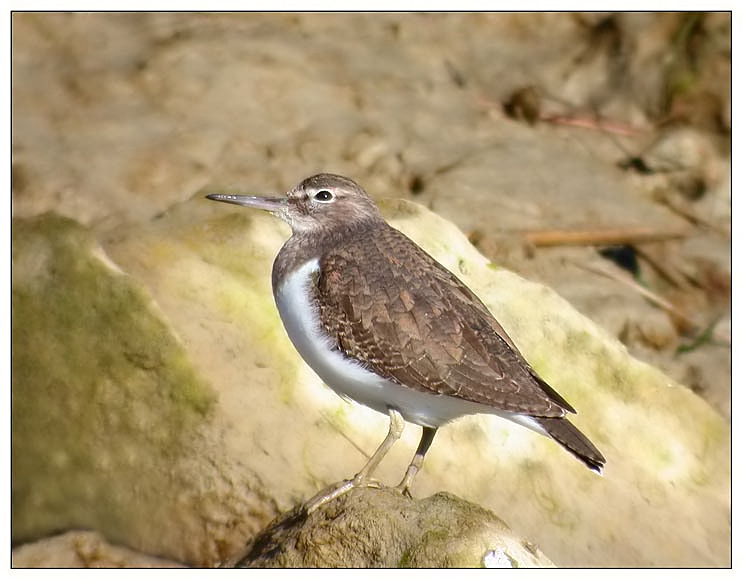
(348, 378)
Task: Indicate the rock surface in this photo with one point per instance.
(271, 434)
(379, 528)
(82, 549)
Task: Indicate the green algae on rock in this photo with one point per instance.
(382, 528)
(103, 391)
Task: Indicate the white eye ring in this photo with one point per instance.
(323, 196)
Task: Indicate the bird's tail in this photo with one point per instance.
(568, 435)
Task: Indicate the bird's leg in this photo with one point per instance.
(417, 462)
(397, 424)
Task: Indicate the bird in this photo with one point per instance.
(382, 323)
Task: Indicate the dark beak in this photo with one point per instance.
(272, 204)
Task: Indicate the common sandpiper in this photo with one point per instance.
(383, 323)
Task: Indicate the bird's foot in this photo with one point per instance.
(404, 486)
(336, 490)
(404, 490)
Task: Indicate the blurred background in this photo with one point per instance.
(548, 138)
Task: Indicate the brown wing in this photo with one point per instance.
(421, 327)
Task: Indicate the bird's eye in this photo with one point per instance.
(323, 195)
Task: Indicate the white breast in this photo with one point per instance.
(347, 377)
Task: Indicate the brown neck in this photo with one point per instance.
(305, 246)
